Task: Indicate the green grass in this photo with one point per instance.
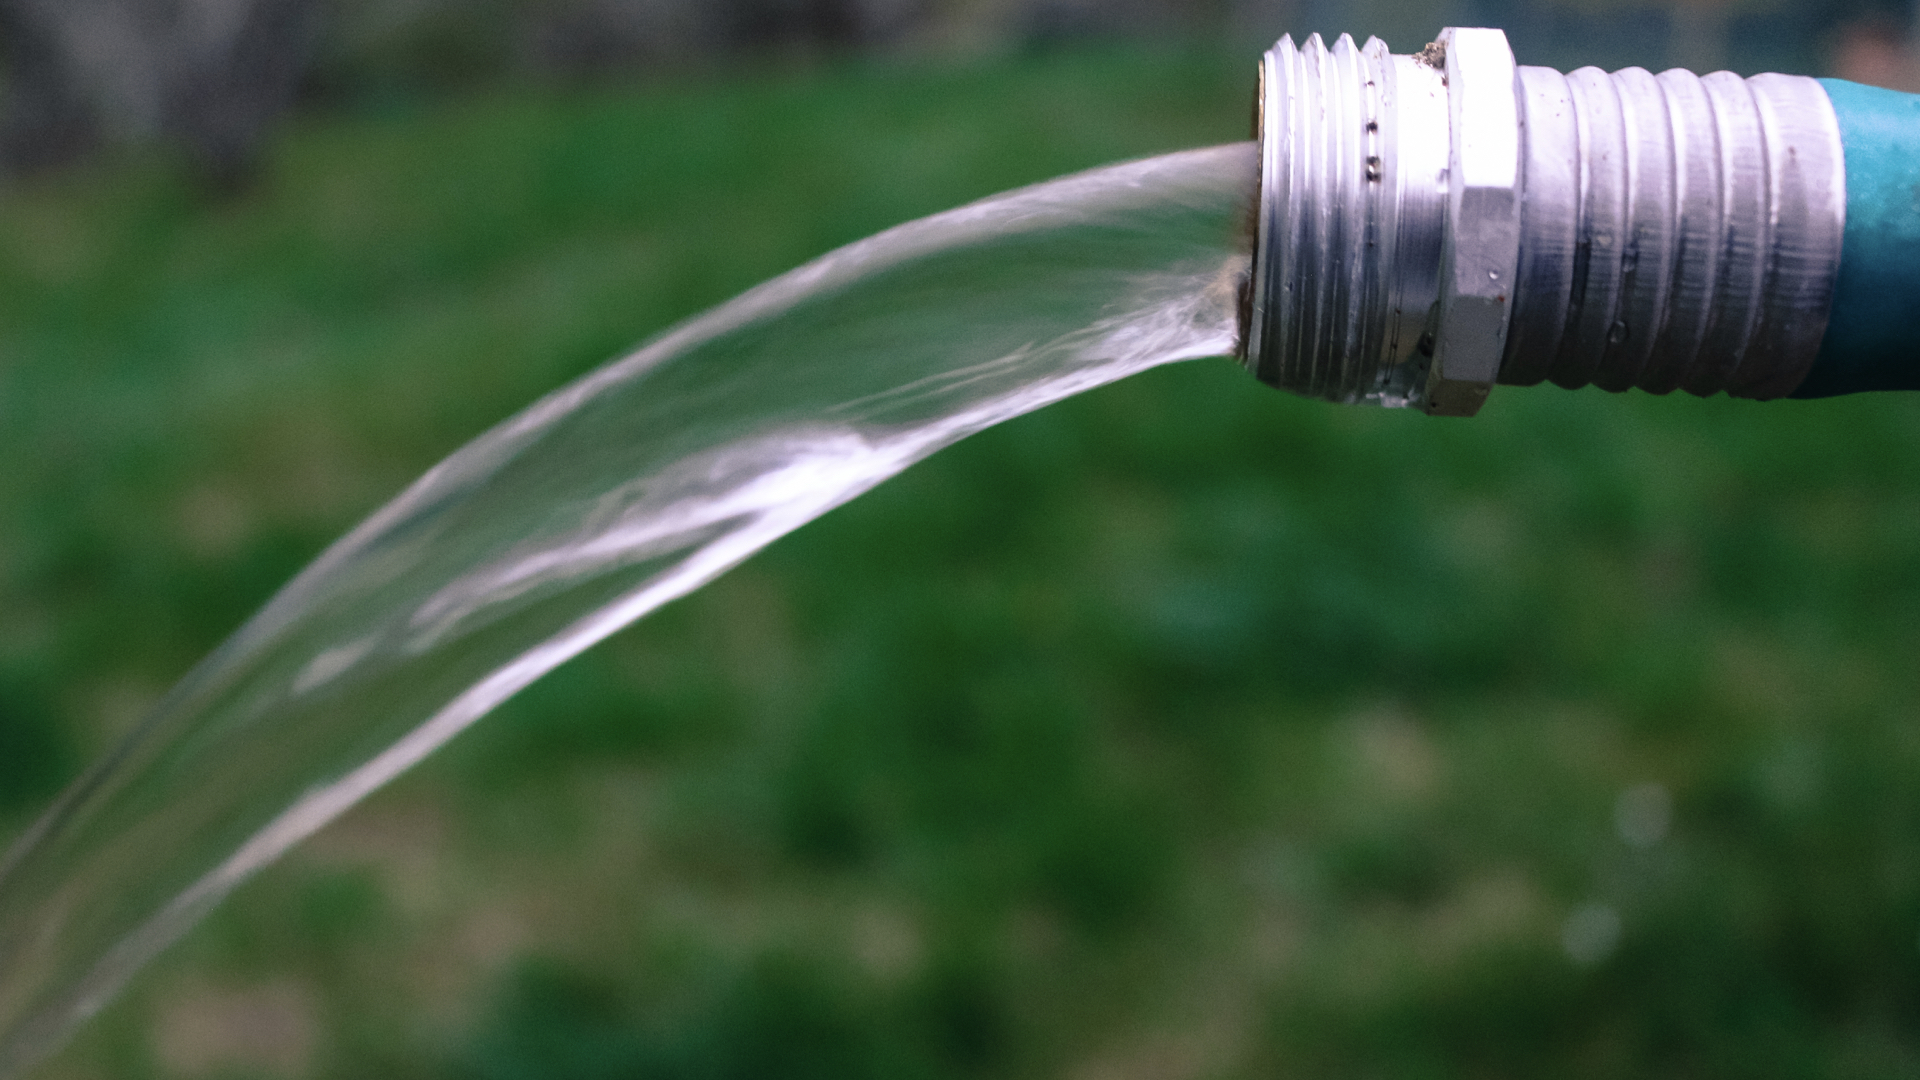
(1182, 730)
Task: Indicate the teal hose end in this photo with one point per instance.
(1870, 341)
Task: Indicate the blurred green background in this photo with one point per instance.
(1183, 730)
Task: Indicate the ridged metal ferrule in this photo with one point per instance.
(1432, 224)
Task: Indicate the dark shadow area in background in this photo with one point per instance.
(213, 77)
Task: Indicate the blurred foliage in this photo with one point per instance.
(215, 78)
(1182, 730)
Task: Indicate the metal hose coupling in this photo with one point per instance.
(1429, 225)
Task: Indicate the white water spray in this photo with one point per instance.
(629, 488)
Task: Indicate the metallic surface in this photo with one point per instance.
(1431, 224)
(1678, 232)
(1482, 247)
(1351, 220)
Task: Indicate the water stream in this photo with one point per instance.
(610, 497)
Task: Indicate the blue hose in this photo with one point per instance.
(1869, 344)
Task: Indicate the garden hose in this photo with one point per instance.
(1431, 224)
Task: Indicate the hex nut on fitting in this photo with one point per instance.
(1481, 252)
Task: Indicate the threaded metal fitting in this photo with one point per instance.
(1432, 224)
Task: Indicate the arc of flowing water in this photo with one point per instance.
(631, 487)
